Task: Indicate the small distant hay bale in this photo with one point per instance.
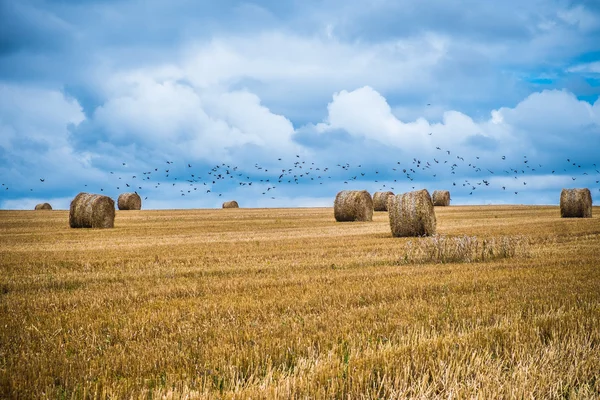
(92, 211)
(441, 198)
(353, 205)
(576, 203)
(231, 204)
(43, 206)
(380, 200)
(129, 201)
(412, 214)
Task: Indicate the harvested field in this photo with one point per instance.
(283, 303)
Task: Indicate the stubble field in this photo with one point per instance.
(287, 303)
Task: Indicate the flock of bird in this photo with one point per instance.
(462, 174)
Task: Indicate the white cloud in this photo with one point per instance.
(157, 112)
(550, 115)
(35, 128)
(581, 17)
(40, 115)
(365, 113)
(315, 62)
(34, 132)
(244, 111)
(592, 67)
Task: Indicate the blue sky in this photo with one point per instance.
(284, 103)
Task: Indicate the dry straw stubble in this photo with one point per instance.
(192, 304)
(92, 211)
(464, 249)
(441, 198)
(231, 204)
(129, 201)
(43, 206)
(412, 214)
(575, 203)
(353, 205)
(380, 200)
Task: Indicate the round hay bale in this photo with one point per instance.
(43, 206)
(441, 198)
(129, 201)
(380, 200)
(412, 214)
(575, 203)
(353, 205)
(92, 211)
(231, 204)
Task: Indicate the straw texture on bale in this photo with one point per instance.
(43, 206)
(353, 205)
(92, 211)
(576, 203)
(412, 214)
(441, 198)
(231, 204)
(380, 200)
(129, 201)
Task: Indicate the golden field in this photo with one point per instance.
(287, 303)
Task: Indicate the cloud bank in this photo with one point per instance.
(288, 104)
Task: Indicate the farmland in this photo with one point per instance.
(284, 303)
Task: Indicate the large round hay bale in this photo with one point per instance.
(231, 204)
(380, 200)
(576, 203)
(353, 205)
(92, 211)
(129, 201)
(441, 198)
(412, 214)
(43, 206)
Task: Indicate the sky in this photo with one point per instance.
(285, 103)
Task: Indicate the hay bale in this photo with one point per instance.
(380, 200)
(353, 205)
(576, 203)
(43, 206)
(441, 198)
(412, 214)
(92, 211)
(231, 204)
(129, 201)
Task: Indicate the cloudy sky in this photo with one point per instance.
(284, 103)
